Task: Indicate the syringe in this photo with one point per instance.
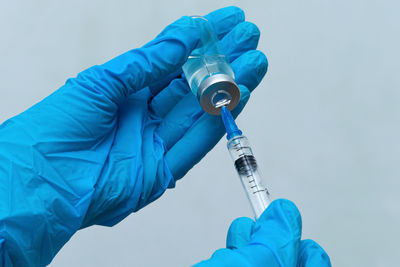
(245, 164)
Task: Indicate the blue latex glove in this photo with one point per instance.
(273, 240)
(113, 139)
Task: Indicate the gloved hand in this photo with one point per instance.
(273, 240)
(112, 140)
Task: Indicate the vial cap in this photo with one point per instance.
(217, 91)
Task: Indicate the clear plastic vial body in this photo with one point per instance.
(208, 72)
(247, 168)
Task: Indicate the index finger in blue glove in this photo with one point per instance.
(312, 255)
(239, 233)
(137, 68)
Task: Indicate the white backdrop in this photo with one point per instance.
(324, 123)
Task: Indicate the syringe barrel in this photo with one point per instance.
(208, 72)
(247, 168)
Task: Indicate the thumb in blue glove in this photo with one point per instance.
(273, 240)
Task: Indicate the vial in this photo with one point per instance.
(208, 72)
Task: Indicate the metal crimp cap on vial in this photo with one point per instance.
(217, 91)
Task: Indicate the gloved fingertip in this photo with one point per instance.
(239, 233)
(242, 38)
(262, 64)
(247, 31)
(282, 214)
(260, 61)
(250, 68)
(155, 62)
(224, 19)
(287, 207)
(312, 254)
(233, 12)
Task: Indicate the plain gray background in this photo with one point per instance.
(324, 123)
